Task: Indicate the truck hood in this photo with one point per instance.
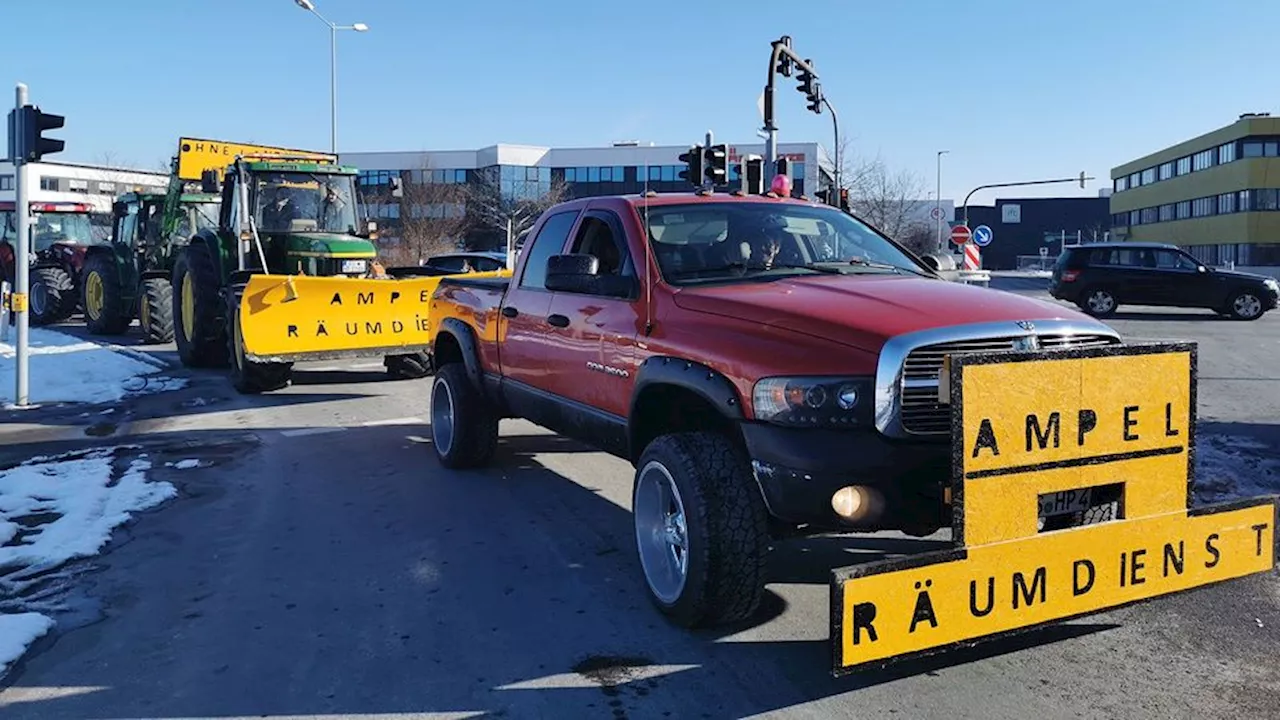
(326, 244)
(865, 311)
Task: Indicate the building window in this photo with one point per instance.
(1203, 207)
(1243, 201)
(1121, 184)
(1264, 199)
(1166, 171)
(1134, 217)
(1184, 165)
(1166, 213)
(1135, 180)
(78, 186)
(1148, 176)
(107, 188)
(1226, 153)
(1252, 149)
(6, 182)
(1202, 160)
(1149, 216)
(1183, 210)
(1226, 203)
(48, 183)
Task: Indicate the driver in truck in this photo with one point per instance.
(280, 211)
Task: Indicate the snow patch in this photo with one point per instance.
(1229, 467)
(53, 510)
(185, 464)
(66, 369)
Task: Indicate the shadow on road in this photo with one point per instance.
(353, 574)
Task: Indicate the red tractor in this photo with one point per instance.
(61, 234)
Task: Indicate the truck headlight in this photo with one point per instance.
(814, 401)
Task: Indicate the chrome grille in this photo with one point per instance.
(922, 414)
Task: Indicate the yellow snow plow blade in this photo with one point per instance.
(297, 318)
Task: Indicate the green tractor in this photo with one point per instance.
(129, 277)
(279, 215)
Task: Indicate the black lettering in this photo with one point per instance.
(423, 297)
(364, 298)
(353, 328)
(397, 326)
(1033, 427)
(864, 614)
(320, 329)
(1076, 589)
(1086, 421)
(395, 295)
(924, 608)
(1175, 559)
(1134, 566)
(1028, 595)
(1169, 429)
(1130, 422)
(373, 328)
(292, 331)
(1208, 545)
(337, 299)
(973, 597)
(1257, 529)
(986, 439)
(1124, 568)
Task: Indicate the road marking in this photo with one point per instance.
(298, 432)
(394, 421)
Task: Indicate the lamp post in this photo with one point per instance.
(937, 207)
(333, 67)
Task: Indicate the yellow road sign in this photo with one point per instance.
(195, 155)
(1042, 441)
(299, 317)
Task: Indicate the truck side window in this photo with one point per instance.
(596, 237)
(550, 240)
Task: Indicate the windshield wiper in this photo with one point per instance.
(863, 262)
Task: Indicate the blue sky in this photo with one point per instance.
(1015, 89)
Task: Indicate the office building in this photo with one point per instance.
(1216, 195)
(1029, 233)
(96, 185)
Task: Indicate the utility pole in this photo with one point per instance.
(783, 60)
(938, 201)
(22, 245)
(835, 130)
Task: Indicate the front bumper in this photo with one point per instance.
(799, 469)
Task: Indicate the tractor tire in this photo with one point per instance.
(102, 296)
(464, 427)
(407, 367)
(247, 376)
(155, 310)
(199, 330)
(701, 529)
(52, 296)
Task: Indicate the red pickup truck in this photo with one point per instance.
(769, 366)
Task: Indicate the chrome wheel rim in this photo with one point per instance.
(1101, 301)
(1247, 305)
(442, 417)
(662, 534)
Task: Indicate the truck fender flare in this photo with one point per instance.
(706, 382)
(464, 335)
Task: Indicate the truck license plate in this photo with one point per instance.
(354, 266)
(1065, 502)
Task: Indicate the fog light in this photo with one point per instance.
(851, 502)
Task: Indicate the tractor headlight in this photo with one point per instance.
(833, 402)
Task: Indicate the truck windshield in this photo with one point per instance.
(196, 217)
(48, 229)
(701, 242)
(304, 202)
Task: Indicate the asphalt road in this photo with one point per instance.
(324, 564)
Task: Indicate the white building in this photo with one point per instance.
(96, 185)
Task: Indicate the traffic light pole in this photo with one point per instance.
(1080, 179)
(22, 260)
(782, 53)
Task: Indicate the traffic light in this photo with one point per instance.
(1082, 179)
(752, 172)
(824, 196)
(785, 64)
(784, 166)
(804, 80)
(693, 165)
(32, 145)
(717, 167)
(815, 99)
(844, 199)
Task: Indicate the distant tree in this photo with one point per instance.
(508, 208)
(432, 219)
(886, 198)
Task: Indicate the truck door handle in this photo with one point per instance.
(558, 320)
(508, 311)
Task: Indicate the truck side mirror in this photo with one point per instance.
(580, 273)
(209, 182)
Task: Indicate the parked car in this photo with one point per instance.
(468, 262)
(1100, 277)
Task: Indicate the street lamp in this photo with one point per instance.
(937, 208)
(333, 67)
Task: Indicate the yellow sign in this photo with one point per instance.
(196, 155)
(300, 317)
(17, 302)
(1071, 486)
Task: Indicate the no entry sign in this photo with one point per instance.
(960, 234)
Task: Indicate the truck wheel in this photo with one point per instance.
(198, 330)
(701, 529)
(407, 367)
(248, 376)
(52, 295)
(1245, 305)
(155, 310)
(464, 428)
(102, 297)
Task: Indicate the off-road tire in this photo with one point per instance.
(726, 527)
(1096, 311)
(114, 316)
(58, 292)
(207, 344)
(155, 310)
(247, 376)
(1233, 305)
(407, 367)
(471, 435)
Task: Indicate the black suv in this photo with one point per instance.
(1099, 277)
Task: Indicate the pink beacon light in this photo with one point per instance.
(781, 186)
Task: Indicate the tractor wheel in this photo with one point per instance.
(199, 328)
(248, 376)
(102, 296)
(52, 295)
(407, 367)
(155, 310)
